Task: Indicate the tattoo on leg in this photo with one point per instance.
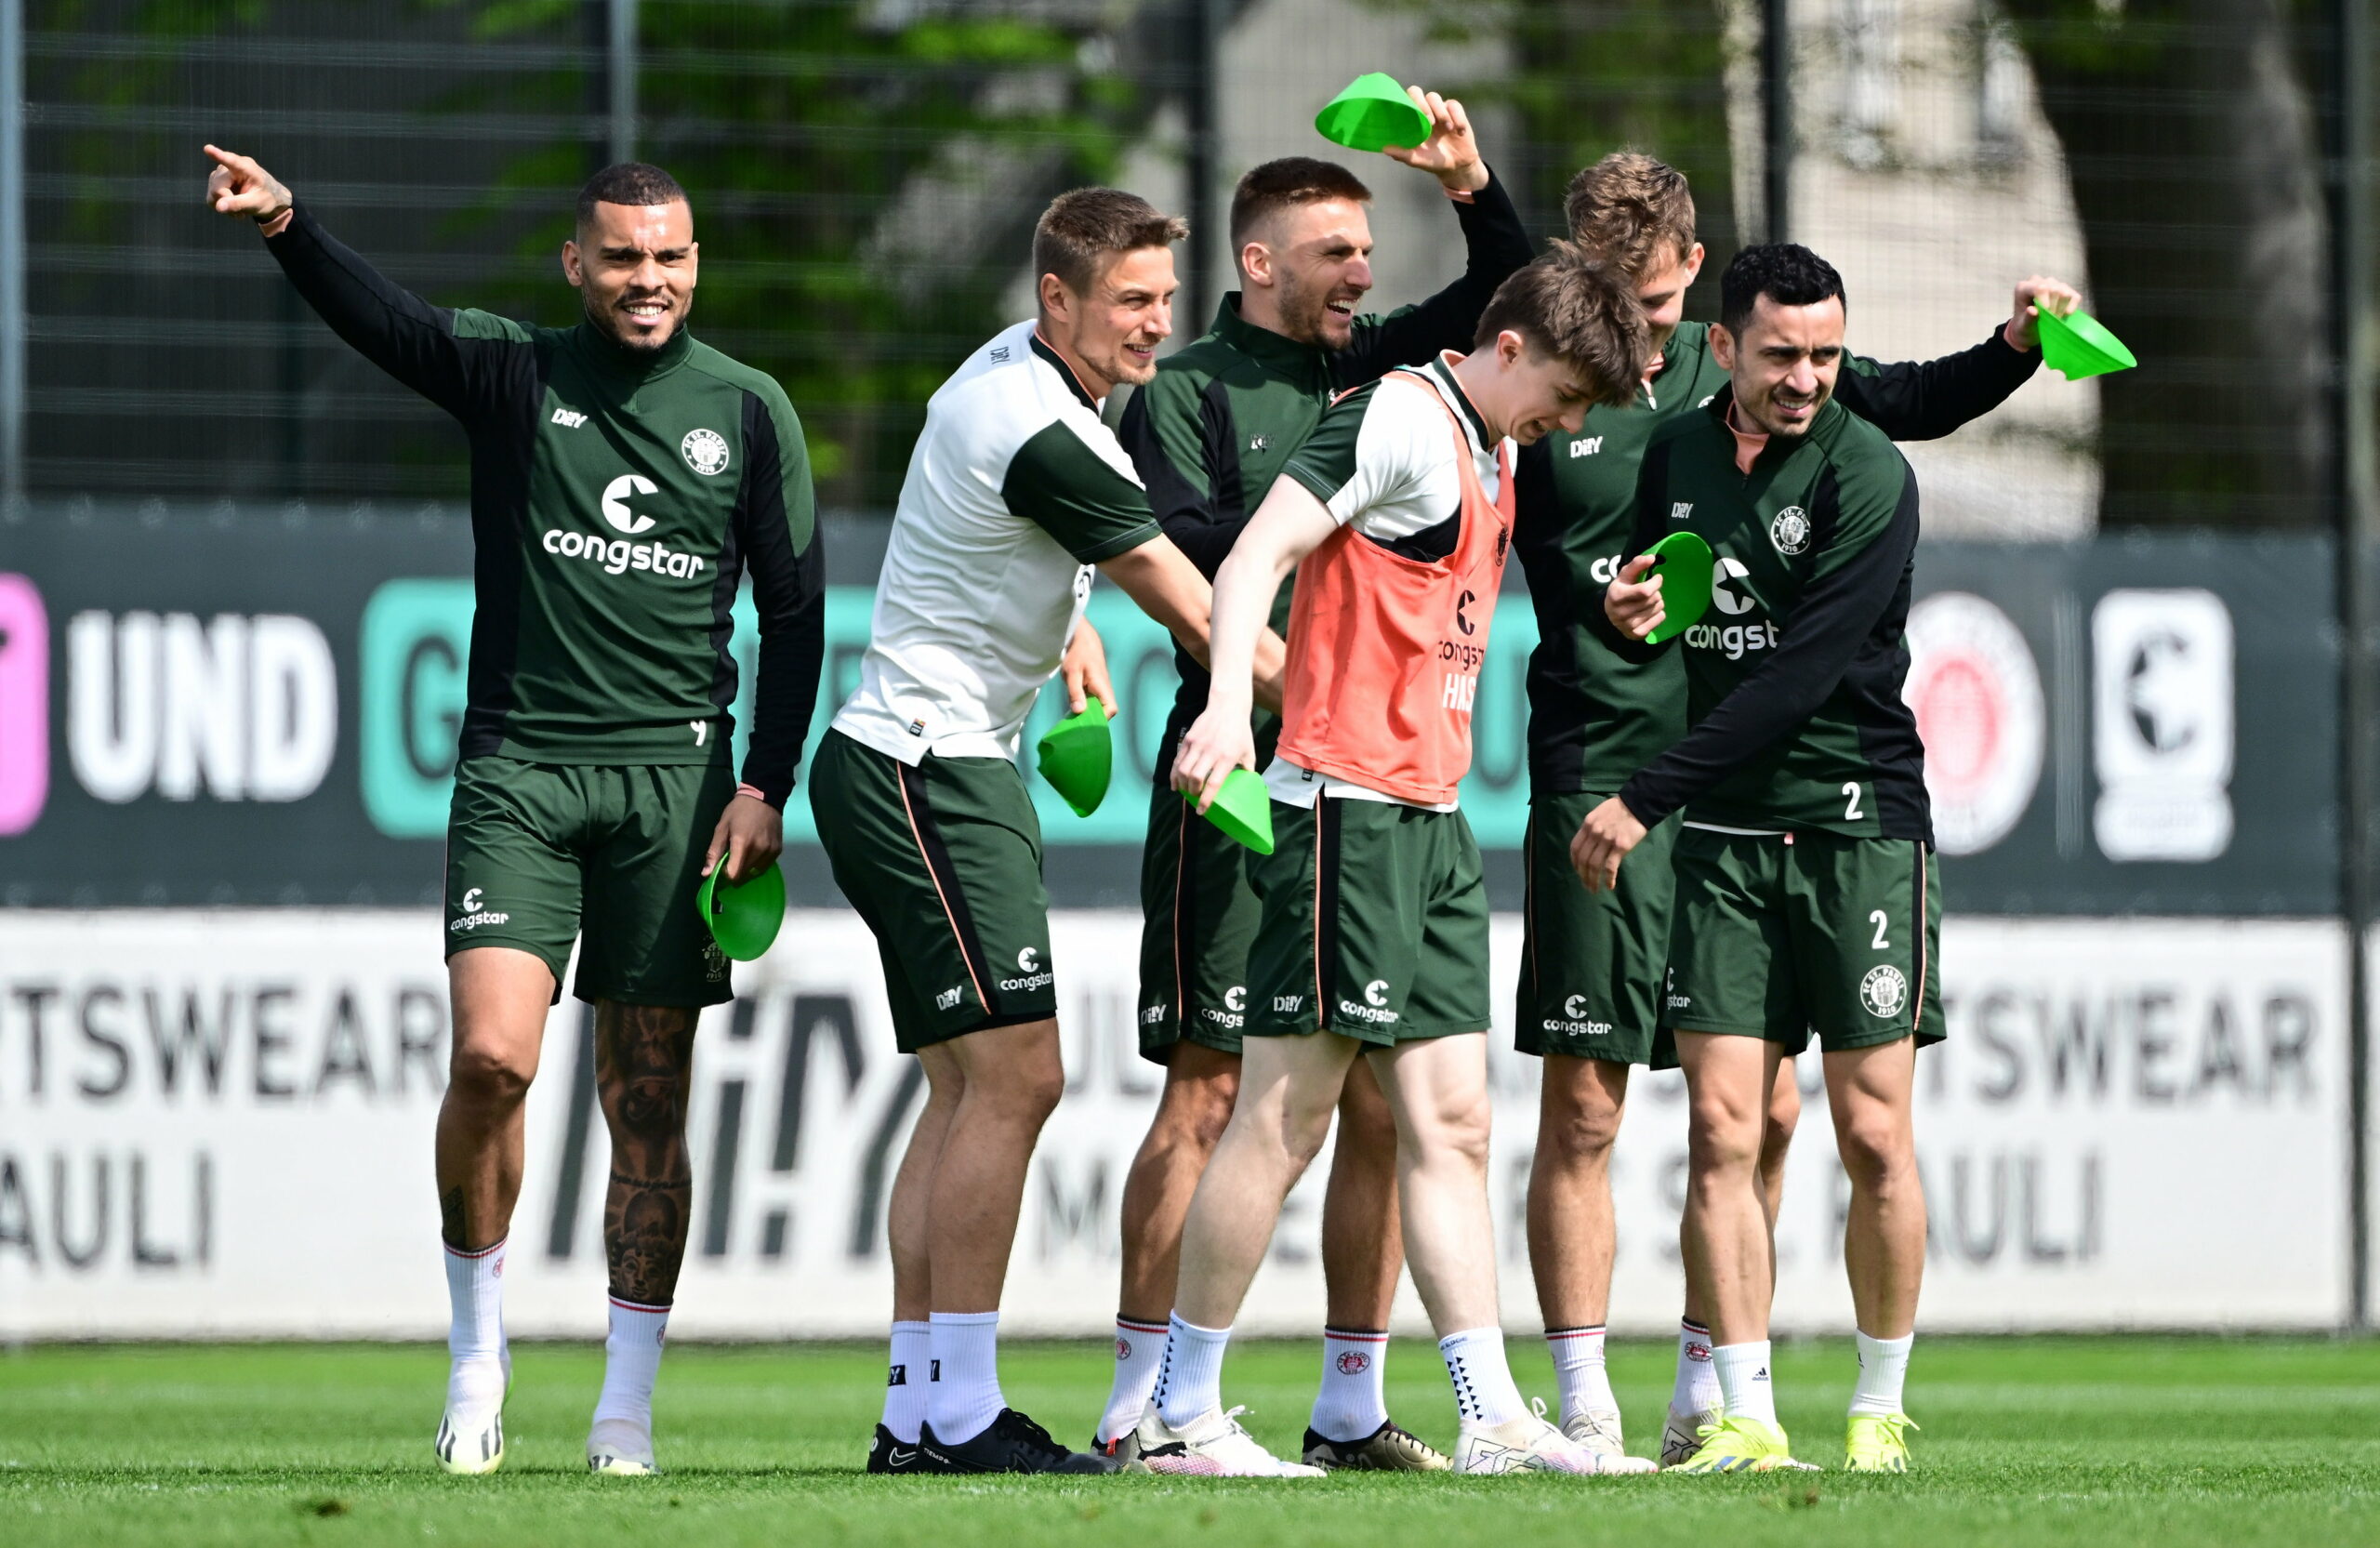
(644, 1068)
(453, 1225)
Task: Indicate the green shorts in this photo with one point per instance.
(943, 860)
(1197, 920)
(539, 854)
(1374, 925)
(1590, 962)
(1781, 936)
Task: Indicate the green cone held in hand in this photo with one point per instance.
(744, 918)
(1243, 809)
(2079, 345)
(1684, 563)
(1076, 756)
(1372, 114)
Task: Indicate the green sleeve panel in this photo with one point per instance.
(1326, 464)
(1868, 486)
(793, 459)
(1076, 495)
(1172, 409)
(470, 323)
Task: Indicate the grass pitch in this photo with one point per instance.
(2168, 1442)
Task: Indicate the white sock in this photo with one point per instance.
(1140, 1355)
(1191, 1380)
(475, 1328)
(631, 1359)
(1579, 1370)
(1884, 1366)
(1485, 1394)
(1744, 1386)
(1352, 1402)
(904, 1383)
(1698, 1386)
(964, 1396)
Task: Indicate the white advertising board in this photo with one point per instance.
(220, 1123)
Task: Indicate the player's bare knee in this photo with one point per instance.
(1878, 1153)
(489, 1076)
(1027, 1092)
(1721, 1141)
(1576, 1132)
(1454, 1135)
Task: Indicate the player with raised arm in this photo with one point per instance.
(1808, 894)
(1592, 962)
(1209, 435)
(1015, 493)
(623, 477)
(1396, 515)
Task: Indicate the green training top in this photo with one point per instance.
(618, 497)
(1596, 717)
(1794, 677)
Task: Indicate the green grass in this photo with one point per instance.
(2167, 1442)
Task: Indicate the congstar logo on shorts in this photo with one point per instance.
(1375, 1006)
(1578, 1024)
(1031, 972)
(471, 916)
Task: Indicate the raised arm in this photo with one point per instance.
(1919, 401)
(1497, 245)
(1288, 525)
(467, 362)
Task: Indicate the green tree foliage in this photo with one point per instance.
(2190, 133)
(864, 176)
(1591, 76)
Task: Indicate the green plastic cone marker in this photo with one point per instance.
(1372, 114)
(1243, 809)
(1684, 563)
(2079, 345)
(743, 916)
(1076, 756)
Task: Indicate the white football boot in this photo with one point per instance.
(1529, 1445)
(1212, 1445)
(1682, 1435)
(621, 1448)
(470, 1433)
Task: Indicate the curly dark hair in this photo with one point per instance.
(1786, 273)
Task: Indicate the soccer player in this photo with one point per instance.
(1592, 969)
(1372, 942)
(623, 477)
(1208, 436)
(1808, 894)
(1016, 491)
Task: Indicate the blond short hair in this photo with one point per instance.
(1628, 209)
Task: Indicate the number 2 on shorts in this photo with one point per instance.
(1877, 918)
(1851, 812)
